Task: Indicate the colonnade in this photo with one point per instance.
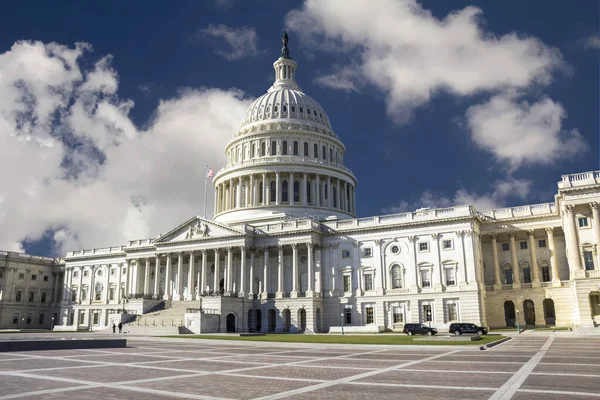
(291, 188)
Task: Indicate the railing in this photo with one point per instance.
(27, 256)
(545, 284)
(521, 211)
(592, 273)
(565, 284)
(213, 311)
(489, 288)
(526, 285)
(291, 159)
(397, 291)
(508, 286)
(105, 250)
(141, 242)
(580, 179)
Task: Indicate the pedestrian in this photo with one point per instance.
(120, 327)
(114, 327)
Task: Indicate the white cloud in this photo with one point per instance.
(409, 54)
(519, 132)
(500, 192)
(75, 165)
(592, 42)
(242, 41)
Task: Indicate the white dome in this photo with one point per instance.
(285, 104)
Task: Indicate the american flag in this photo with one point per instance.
(210, 172)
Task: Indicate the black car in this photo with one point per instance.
(418, 329)
(465, 327)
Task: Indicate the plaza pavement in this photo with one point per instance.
(527, 367)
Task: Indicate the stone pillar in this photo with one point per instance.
(167, 295)
(277, 189)
(515, 261)
(178, 295)
(230, 198)
(595, 206)
(156, 277)
(119, 273)
(338, 196)
(328, 203)
(202, 281)
(127, 279)
(291, 189)
(238, 194)
(251, 274)
(252, 201)
(317, 194)
(535, 276)
(575, 266)
(265, 286)
(379, 273)
(147, 277)
(242, 288)
(311, 270)
(497, 278)
(552, 251)
(294, 292)
(279, 294)
(191, 276)
(229, 276)
(217, 272)
(438, 282)
(303, 191)
(264, 189)
(317, 271)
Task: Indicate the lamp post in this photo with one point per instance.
(518, 326)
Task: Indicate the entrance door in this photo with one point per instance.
(230, 322)
(318, 320)
(529, 313)
(272, 322)
(509, 314)
(302, 318)
(251, 320)
(287, 320)
(258, 321)
(222, 286)
(549, 312)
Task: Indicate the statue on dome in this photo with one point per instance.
(285, 52)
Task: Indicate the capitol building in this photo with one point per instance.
(285, 252)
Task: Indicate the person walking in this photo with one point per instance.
(120, 327)
(114, 327)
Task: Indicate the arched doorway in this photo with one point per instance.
(318, 316)
(222, 286)
(302, 319)
(230, 322)
(272, 322)
(529, 313)
(287, 320)
(549, 312)
(258, 320)
(251, 322)
(509, 314)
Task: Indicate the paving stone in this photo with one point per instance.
(564, 383)
(109, 373)
(16, 384)
(445, 379)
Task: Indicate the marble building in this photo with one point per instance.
(284, 251)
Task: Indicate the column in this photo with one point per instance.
(553, 263)
(572, 242)
(277, 189)
(216, 288)
(179, 294)
(167, 295)
(435, 249)
(242, 288)
(279, 294)
(230, 199)
(311, 270)
(251, 274)
(515, 262)
(291, 189)
(156, 277)
(317, 271)
(127, 279)
(265, 287)
(202, 280)
(338, 197)
(317, 192)
(497, 278)
(252, 201)
(229, 277)
(191, 276)
(343, 198)
(535, 278)
(119, 272)
(303, 191)
(294, 292)
(328, 191)
(264, 189)
(595, 206)
(238, 194)
(146, 277)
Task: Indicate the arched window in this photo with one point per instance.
(273, 148)
(296, 191)
(308, 111)
(284, 108)
(334, 198)
(301, 110)
(296, 148)
(308, 200)
(273, 190)
(98, 291)
(284, 148)
(260, 193)
(316, 151)
(396, 277)
(293, 109)
(253, 154)
(507, 274)
(330, 154)
(263, 149)
(284, 191)
(275, 108)
(324, 153)
(305, 149)
(325, 196)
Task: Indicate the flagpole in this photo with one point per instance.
(205, 185)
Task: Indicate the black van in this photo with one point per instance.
(463, 327)
(418, 329)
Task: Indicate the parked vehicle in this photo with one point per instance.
(418, 329)
(464, 327)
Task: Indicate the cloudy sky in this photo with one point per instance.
(109, 112)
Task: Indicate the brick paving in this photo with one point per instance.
(545, 368)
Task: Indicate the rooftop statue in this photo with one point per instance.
(285, 52)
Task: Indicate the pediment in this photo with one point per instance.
(198, 228)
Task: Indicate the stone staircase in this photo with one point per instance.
(165, 319)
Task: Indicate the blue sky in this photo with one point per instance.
(437, 102)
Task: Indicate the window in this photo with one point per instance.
(345, 253)
(273, 192)
(427, 313)
(447, 244)
(424, 246)
(542, 243)
(18, 295)
(84, 293)
(81, 317)
(523, 245)
(395, 249)
(284, 108)
(111, 293)
(398, 315)
(396, 277)
(45, 278)
(452, 314)
(293, 109)
(284, 148)
(296, 191)
(260, 193)
(31, 296)
(275, 108)
(16, 318)
(33, 277)
(21, 275)
(123, 287)
(74, 293)
(284, 191)
(370, 315)
(296, 148)
(330, 154)
(367, 252)
(425, 278)
(308, 198)
(545, 273)
(583, 222)
(347, 287)
(348, 315)
(588, 260)
(526, 274)
(326, 192)
(308, 111)
(450, 277)
(305, 149)
(263, 149)
(324, 153)
(253, 154)
(369, 282)
(273, 148)
(86, 273)
(113, 271)
(505, 247)
(98, 292)
(41, 320)
(508, 276)
(43, 299)
(29, 318)
(124, 271)
(316, 151)
(96, 317)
